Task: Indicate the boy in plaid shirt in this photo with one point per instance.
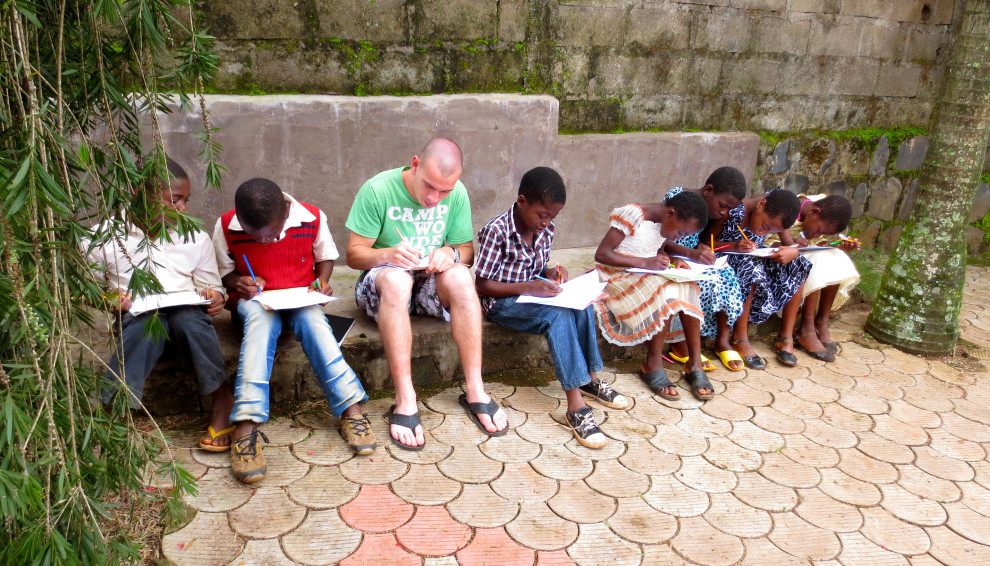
(514, 251)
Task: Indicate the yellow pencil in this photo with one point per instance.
(713, 242)
(743, 233)
(401, 237)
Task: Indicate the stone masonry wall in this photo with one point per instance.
(321, 149)
(879, 179)
(781, 65)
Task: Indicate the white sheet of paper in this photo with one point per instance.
(141, 305)
(817, 248)
(693, 271)
(758, 252)
(294, 298)
(577, 293)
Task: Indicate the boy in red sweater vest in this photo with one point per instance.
(271, 241)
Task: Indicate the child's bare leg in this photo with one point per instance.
(654, 359)
(788, 319)
(808, 313)
(722, 341)
(574, 400)
(809, 340)
(223, 403)
(824, 309)
(740, 332)
(692, 336)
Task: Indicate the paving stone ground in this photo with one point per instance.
(879, 458)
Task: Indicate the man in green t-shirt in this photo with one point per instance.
(411, 233)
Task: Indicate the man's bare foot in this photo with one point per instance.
(405, 435)
(498, 423)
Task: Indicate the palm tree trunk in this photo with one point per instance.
(917, 306)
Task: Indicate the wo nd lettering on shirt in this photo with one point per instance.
(423, 228)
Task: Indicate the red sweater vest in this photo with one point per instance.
(282, 264)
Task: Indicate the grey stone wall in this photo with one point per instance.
(880, 180)
(780, 65)
(322, 148)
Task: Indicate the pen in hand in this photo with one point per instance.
(258, 284)
(541, 278)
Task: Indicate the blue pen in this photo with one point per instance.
(547, 280)
(251, 271)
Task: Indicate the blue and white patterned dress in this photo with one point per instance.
(775, 282)
(717, 295)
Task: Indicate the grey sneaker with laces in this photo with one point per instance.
(604, 394)
(582, 424)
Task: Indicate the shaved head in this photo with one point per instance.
(443, 154)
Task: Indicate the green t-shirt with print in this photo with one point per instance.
(383, 204)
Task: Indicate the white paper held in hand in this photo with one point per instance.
(141, 305)
(576, 294)
(293, 298)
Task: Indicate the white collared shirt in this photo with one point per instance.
(323, 247)
(180, 265)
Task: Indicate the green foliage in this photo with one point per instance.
(81, 83)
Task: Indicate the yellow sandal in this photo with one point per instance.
(730, 356)
(213, 436)
(706, 364)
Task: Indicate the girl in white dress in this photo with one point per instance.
(639, 306)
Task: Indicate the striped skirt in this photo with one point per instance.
(639, 305)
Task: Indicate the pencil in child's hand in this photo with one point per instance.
(721, 248)
(712, 247)
(401, 237)
(743, 233)
(541, 278)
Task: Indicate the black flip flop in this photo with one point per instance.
(407, 421)
(786, 358)
(699, 380)
(657, 380)
(489, 408)
(752, 362)
(831, 347)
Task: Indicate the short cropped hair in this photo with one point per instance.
(543, 184)
(782, 204)
(176, 170)
(728, 180)
(689, 206)
(258, 202)
(836, 210)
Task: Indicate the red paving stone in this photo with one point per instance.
(376, 510)
(433, 532)
(379, 549)
(555, 558)
(493, 546)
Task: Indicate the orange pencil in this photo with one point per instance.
(743, 233)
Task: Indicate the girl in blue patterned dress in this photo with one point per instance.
(721, 299)
(769, 283)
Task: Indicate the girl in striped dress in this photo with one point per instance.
(639, 306)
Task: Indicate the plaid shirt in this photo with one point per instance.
(504, 255)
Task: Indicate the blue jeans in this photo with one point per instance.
(261, 331)
(571, 335)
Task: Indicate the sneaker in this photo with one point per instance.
(582, 424)
(246, 460)
(357, 432)
(604, 394)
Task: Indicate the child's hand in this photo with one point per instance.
(119, 300)
(802, 242)
(558, 274)
(702, 254)
(849, 246)
(216, 300)
(403, 256)
(321, 286)
(248, 287)
(784, 254)
(539, 288)
(659, 261)
(745, 246)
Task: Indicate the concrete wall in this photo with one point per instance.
(322, 148)
(779, 65)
